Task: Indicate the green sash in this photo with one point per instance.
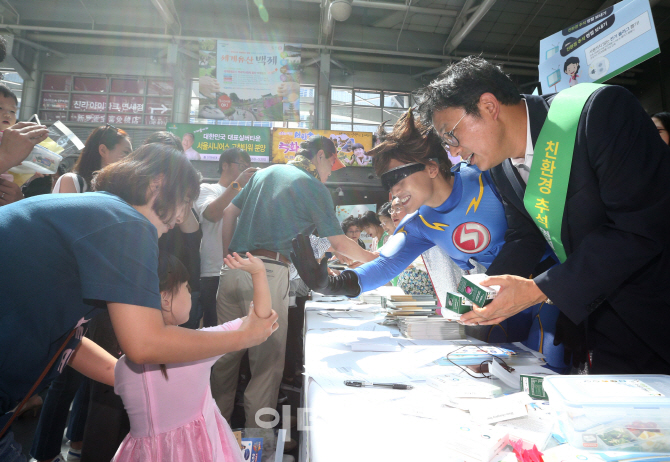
(552, 159)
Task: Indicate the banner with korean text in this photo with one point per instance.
(249, 81)
(599, 47)
(352, 147)
(207, 142)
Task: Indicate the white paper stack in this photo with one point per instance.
(430, 328)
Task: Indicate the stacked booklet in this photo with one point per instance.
(430, 328)
(411, 305)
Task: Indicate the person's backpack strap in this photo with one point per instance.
(35, 385)
(82, 182)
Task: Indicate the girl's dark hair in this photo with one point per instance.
(410, 141)
(171, 275)
(664, 118)
(571, 60)
(7, 93)
(369, 219)
(131, 177)
(165, 137)
(89, 160)
(385, 210)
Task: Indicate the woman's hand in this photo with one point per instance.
(252, 266)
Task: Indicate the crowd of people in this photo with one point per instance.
(141, 288)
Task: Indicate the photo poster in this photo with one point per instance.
(249, 81)
(357, 211)
(599, 47)
(352, 147)
(207, 142)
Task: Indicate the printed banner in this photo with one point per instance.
(352, 147)
(207, 142)
(249, 81)
(599, 47)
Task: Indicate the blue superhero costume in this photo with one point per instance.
(469, 225)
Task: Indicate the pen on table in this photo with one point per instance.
(360, 383)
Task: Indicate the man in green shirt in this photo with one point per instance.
(277, 204)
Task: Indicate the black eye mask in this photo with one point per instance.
(397, 174)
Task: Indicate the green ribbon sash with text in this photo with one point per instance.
(552, 159)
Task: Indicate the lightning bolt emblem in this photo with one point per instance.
(476, 201)
(437, 226)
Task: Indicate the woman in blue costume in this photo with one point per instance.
(457, 209)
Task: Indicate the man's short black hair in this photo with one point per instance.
(664, 118)
(462, 84)
(7, 93)
(233, 155)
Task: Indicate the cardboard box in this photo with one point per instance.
(457, 303)
(469, 287)
(532, 384)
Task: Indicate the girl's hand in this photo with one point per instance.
(258, 329)
(252, 266)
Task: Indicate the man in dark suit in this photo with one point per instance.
(616, 219)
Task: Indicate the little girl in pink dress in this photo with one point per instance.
(173, 416)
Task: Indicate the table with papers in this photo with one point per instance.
(340, 422)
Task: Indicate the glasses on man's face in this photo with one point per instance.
(243, 166)
(395, 210)
(449, 139)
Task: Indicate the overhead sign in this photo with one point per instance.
(352, 147)
(207, 142)
(599, 47)
(249, 81)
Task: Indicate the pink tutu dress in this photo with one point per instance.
(173, 420)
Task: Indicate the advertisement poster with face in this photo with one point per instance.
(207, 142)
(352, 147)
(249, 81)
(599, 47)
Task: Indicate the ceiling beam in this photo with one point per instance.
(66, 33)
(39, 47)
(397, 7)
(166, 11)
(472, 21)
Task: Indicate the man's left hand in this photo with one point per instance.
(515, 295)
(9, 192)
